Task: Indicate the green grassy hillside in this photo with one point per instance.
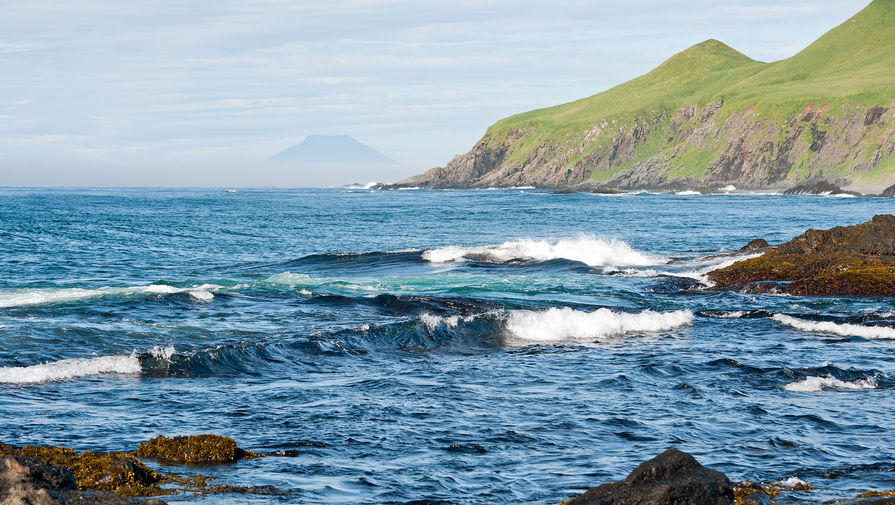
(855, 61)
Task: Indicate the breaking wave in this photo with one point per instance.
(70, 369)
(557, 324)
(74, 368)
(840, 329)
(41, 296)
(812, 384)
(585, 249)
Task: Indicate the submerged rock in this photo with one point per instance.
(194, 450)
(854, 260)
(673, 477)
(32, 481)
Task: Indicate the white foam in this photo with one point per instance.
(841, 329)
(586, 249)
(22, 297)
(70, 369)
(791, 483)
(688, 193)
(728, 188)
(812, 384)
(288, 279)
(368, 185)
(432, 321)
(730, 314)
(201, 295)
(164, 353)
(555, 324)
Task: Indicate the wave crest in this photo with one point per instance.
(70, 369)
(589, 250)
(812, 384)
(557, 324)
(840, 329)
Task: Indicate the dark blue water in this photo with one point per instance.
(437, 347)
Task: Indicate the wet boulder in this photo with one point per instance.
(193, 450)
(755, 245)
(671, 478)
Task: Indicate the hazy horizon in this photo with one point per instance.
(168, 94)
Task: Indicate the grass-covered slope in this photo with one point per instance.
(711, 115)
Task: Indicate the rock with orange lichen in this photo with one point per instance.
(854, 260)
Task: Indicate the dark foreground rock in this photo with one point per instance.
(31, 481)
(819, 188)
(673, 477)
(853, 260)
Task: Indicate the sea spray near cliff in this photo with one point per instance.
(567, 339)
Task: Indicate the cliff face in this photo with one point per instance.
(691, 147)
(711, 117)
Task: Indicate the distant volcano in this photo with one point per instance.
(330, 150)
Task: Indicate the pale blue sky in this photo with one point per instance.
(110, 92)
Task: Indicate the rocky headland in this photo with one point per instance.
(854, 260)
(711, 117)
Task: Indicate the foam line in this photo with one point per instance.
(841, 329)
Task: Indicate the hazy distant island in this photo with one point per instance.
(333, 150)
(711, 117)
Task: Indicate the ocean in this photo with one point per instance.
(440, 347)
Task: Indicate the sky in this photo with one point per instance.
(202, 93)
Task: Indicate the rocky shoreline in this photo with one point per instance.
(677, 478)
(853, 261)
(48, 475)
(819, 187)
(41, 475)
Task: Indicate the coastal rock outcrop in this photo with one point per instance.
(819, 188)
(31, 481)
(854, 260)
(673, 477)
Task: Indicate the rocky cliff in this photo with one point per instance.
(712, 117)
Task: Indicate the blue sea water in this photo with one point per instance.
(443, 347)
